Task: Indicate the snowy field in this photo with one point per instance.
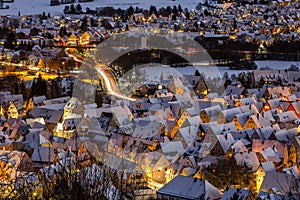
(153, 72)
(28, 7)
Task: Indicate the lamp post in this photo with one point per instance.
(62, 65)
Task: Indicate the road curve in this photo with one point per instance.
(109, 81)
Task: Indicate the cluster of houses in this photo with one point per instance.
(267, 23)
(250, 23)
(168, 139)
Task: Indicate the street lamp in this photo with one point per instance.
(63, 65)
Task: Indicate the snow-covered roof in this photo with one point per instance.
(279, 182)
(190, 188)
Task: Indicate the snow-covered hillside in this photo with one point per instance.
(27, 7)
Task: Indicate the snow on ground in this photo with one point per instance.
(29, 7)
(153, 72)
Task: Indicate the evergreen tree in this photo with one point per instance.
(84, 25)
(152, 10)
(169, 10)
(62, 31)
(72, 9)
(130, 11)
(10, 41)
(39, 86)
(175, 13)
(180, 8)
(78, 8)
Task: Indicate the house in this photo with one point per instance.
(279, 183)
(200, 104)
(271, 150)
(176, 86)
(60, 100)
(283, 106)
(171, 128)
(286, 135)
(261, 172)
(277, 92)
(203, 128)
(270, 76)
(256, 121)
(182, 187)
(156, 166)
(67, 128)
(128, 172)
(287, 116)
(236, 147)
(85, 38)
(287, 119)
(218, 129)
(271, 104)
(147, 129)
(34, 139)
(248, 160)
(43, 156)
(234, 91)
(73, 106)
(271, 115)
(222, 145)
(238, 194)
(210, 114)
(227, 116)
(193, 121)
(295, 106)
(252, 108)
(293, 171)
(183, 164)
(219, 139)
(38, 100)
(12, 111)
(137, 17)
(140, 90)
(245, 101)
(72, 40)
(51, 117)
(187, 135)
(269, 195)
(186, 114)
(171, 149)
(197, 83)
(240, 120)
(29, 105)
(13, 164)
(13, 104)
(266, 133)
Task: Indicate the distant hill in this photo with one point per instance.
(28, 7)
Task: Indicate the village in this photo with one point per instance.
(185, 136)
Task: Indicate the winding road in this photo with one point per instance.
(104, 73)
